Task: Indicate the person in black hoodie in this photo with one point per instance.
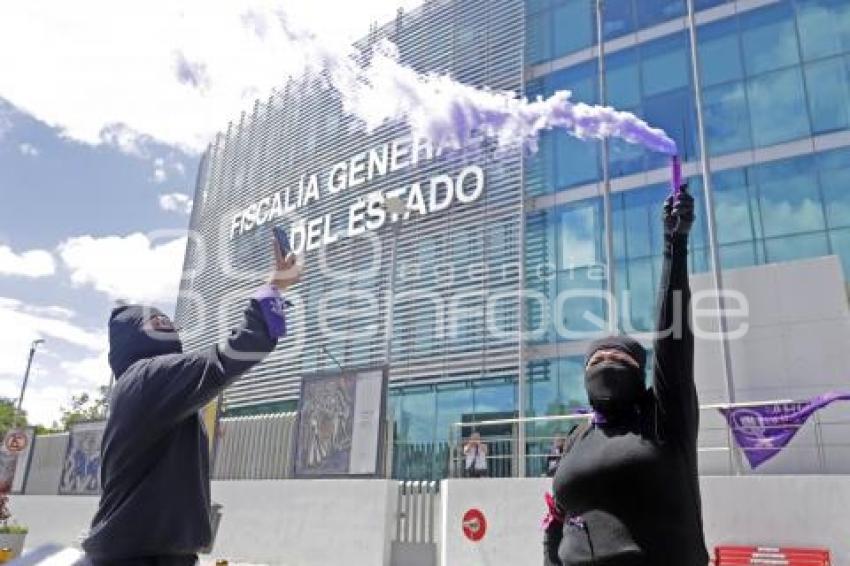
(155, 505)
(626, 493)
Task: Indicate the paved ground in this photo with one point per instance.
(211, 562)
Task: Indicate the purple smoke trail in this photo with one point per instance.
(448, 113)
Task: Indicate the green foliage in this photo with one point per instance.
(10, 417)
(52, 429)
(13, 530)
(85, 408)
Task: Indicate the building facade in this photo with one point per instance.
(766, 135)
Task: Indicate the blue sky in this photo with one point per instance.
(104, 110)
(63, 201)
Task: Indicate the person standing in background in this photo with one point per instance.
(554, 456)
(475, 457)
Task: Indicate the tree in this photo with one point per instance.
(85, 408)
(10, 417)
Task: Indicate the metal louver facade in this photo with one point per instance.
(449, 264)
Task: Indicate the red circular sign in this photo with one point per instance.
(474, 525)
(16, 441)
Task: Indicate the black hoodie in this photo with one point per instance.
(628, 489)
(155, 458)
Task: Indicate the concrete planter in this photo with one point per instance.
(14, 542)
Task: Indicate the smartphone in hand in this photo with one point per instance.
(282, 240)
(285, 248)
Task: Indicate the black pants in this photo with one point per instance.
(475, 473)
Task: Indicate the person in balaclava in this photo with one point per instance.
(155, 505)
(626, 492)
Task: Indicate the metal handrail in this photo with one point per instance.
(509, 450)
(705, 407)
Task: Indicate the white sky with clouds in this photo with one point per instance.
(104, 108)
(175, 71)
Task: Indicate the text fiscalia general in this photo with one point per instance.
(367, 211)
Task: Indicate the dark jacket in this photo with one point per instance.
(155, 456)
(629, 493)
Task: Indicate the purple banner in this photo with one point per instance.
(763, 431)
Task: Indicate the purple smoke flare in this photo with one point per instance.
(449, 113)
(676, 174)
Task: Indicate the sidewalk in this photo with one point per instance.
(205, 561)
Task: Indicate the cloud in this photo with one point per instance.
(133, 268)
(90, 372)
(5, 119)
(34, 263)
(28, 150)
(21, 323)
(81, 353)
(159, 173)
(193, 74)
(176, 202)
(175, 72)
(123, 137)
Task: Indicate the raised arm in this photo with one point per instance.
(673, 377)
(172, 387)
(175, 386)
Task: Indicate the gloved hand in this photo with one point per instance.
(678, 212)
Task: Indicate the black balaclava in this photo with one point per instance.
(615, 388)
(133, 336)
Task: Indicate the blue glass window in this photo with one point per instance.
(571, 391)
(618, 18)
(536, 5)
(542, 377)
(637, 209)
(735, 211)
(824, 27)
(828, 84)
(665, 64)
(579, 308)
(703, 4)
(625, 158)
(769, 38)
(575, 24)
(453, 401)
(796, 247)
(834, 168)
(720, 52)
(777, 107)
(494, 396)
(580, 230)
(415, 420)
(622, 75)
(788, 198)
(642, 285)
(738, 255)
(539, 34)
(540, 167)
(657, 11)
(581, 269)
(727, 119)
(582, 80)
(673, 112)
(577, 160)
